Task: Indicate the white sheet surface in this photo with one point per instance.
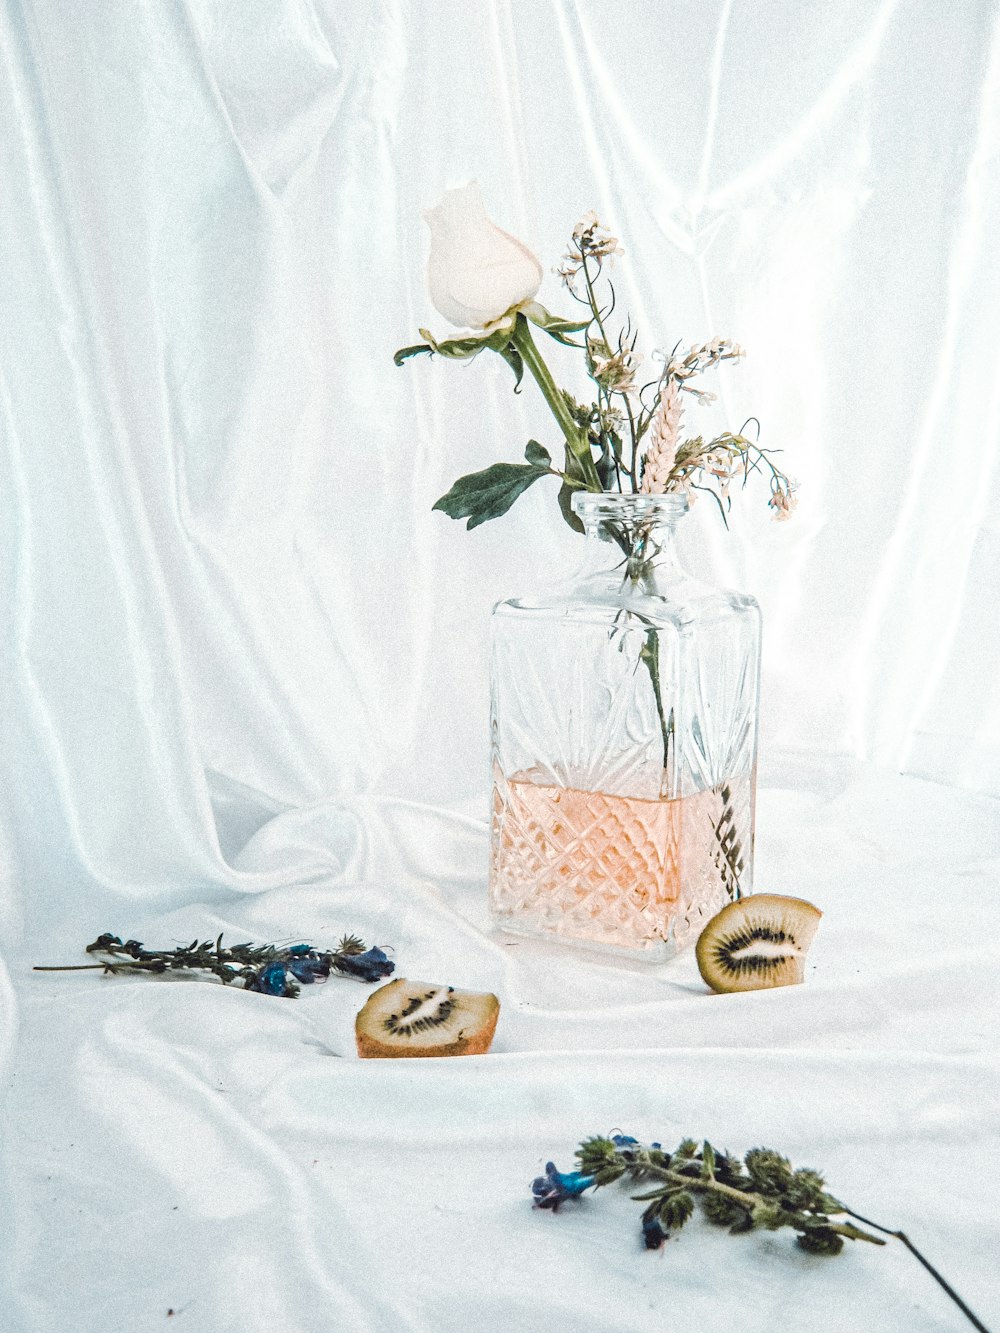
(243, 666)
(175, 1145)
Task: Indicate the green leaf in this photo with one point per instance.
(554, 325)
(464, 349)
(676, 1209)
(481, 496)
(581, 471)
(515, 360)
(605, 465)
(595, 1154)
(537, 455)
(721, 1211)
(707, 1161)
(608, 1175)
(419, 349)
(566, 506)
(461, 349)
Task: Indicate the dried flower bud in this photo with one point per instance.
(676, 1209)
(806, 1190)
(616, 372)
(768, 1169)
(782, 504)
(820, 1240)
(609, 1174)
(722, 1211)
(586, 224)
(768, 1215)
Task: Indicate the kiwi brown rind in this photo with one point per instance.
(418, 1019)
(757, 943)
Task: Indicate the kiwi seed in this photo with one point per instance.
(420, 1018)
(757, 943)
(421, 1013)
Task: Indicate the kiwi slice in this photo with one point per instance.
(757, 942)
(421, 1018)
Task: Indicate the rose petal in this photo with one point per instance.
(476, 272)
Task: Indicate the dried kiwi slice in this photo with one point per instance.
(757, 942)
(421, 1018)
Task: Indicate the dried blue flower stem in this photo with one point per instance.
(555, 1187)
(904, 1238)
(761, 1190)
(266, 968)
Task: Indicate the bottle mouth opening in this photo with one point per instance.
(597, 505)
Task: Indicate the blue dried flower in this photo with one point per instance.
(370, 966)
(653, 1234)
(625, 1143)
(555, 1187)
(306, 965)
(271, 980)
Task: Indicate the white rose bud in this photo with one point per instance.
(476, 272)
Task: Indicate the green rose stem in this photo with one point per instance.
(581, 474)
(578, 448)
(649, 655)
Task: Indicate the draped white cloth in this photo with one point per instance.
(243, 677)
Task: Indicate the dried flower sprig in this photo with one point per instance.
(761, 1190)
(670, 466)
(267, 968)
(629, 438)
(660, 460)
(590, 239)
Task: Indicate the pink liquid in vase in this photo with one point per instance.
(616, 872)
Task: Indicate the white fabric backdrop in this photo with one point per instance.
(240, 655)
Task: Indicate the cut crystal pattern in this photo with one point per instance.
(622, 808)
(612, 870)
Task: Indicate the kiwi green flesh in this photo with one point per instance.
(757, 943)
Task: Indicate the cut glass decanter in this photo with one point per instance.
(624, 721)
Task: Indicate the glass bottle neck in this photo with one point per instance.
(640, 528)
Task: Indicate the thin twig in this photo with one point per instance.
(75, 967)
(901, 1235)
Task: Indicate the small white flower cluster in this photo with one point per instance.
(614, 371)
(661, 471)
(676, 467)
(702, 465)
(783, 499)
(590, 240)
(712, 466)
(698, 359)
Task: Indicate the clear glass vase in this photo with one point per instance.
(624, 718)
